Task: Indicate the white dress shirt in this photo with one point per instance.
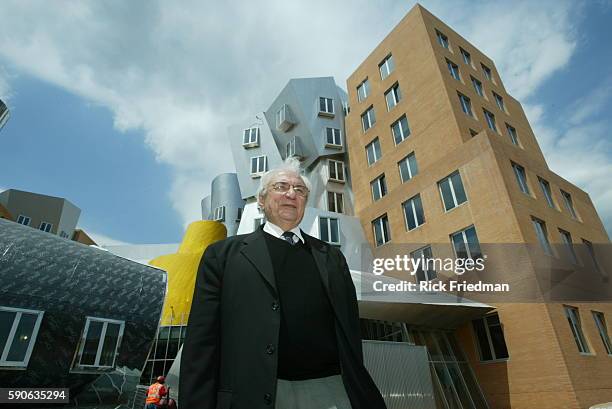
(277, 232)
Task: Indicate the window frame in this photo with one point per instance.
(490, 120)
(487, 327)
(23, 218)
(591, 251)
(520, 175)
(466, 104)
(467, 57)
(478, 87)
(404, 134)
(328, 224)
(47, 227)
(374, 143)
(381, 185)
(466, 243)
(5, 349)
(542, 235)
(426, 273)
(365, 85)
(487, 72)
(250, 142)
(389, 67)
(370, 117)
(412, 202)
(325, 110)
(499, 101)
(569, 204)
(575, 324)
(452, 190)
(219, 214)
(384, 229)
(396, 93)
(453, 69)
(442, 39)
(569, 245)
(547, 192)
(336, 164)
(333, 197)
(78, 366)
(411, 172)
(258, 173)
(602, 327)
(334, 135)
(513, 135)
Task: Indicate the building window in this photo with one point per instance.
(379, 187)
(569, 245)
(259, 164)
(336, 170)
(386, 67)
(329, 230)
(400, 129)
(542, 234)
(452, 192)
(512, 134)
(569, 204)
(63, 234)
(490, 337)
(465, 244)
(373, 152)
(335, 202)
(100, 343)
(25, 220)
(393, 96)
(326, 106)
(381, 230)
(477, 86)
(466, 104)
(487, 72)
(333, 138)
(408, 167)
(219, 214)
(442, 39)
(521, 177)
(591, 251)
(18, 331)
(424, 274)
(363, 90)
(490, 120)
(413, 212)
(499, 101)
(291, 148)
(600, 322)
(467, 58)
(46, 227)
(284, 119)
(573, 318)
(250, 138)
(545, 186)
(368, 118)
(453, 69)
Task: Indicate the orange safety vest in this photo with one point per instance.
(153, 394)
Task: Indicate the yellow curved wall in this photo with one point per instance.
(182, 268)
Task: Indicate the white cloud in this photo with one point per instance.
(182, 74)
(102, 240)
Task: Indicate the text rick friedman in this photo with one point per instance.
(449, 286)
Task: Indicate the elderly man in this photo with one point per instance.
(274, 321)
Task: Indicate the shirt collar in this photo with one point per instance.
(277, 232)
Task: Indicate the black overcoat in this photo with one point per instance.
(229, 355)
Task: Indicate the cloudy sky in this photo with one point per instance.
(122, 107)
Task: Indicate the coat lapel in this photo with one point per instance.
(256, 251)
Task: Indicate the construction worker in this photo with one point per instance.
(155, 393)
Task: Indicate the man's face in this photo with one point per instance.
(284, 209)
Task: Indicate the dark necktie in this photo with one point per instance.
(289, 238)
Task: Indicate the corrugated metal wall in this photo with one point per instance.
(401, 372)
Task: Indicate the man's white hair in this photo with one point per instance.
(290, 165)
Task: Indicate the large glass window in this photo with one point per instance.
(165, 347)
(451, 190)
(18, 330)
(465, 244)
(521, 177)
(413, 212)
(573, 318)
(499, 101)
(600, 322)
(453, 69)
(569, 245)
(542, 234)
(490, 118)
(512, 135)
(400, 129)
(100, 342)
(329, 230)
(393, 96)
(363, 90)
(326, 106)
(45, 226)
(379, 187)
(332, 137)
(467, 58)
(386, 67)
(487, 72)
(490, 338)
(373, 152)
(250, 138)
(368, 119)
(591, 251)
(477, 86)
(25, 220)
(382, 233)
(442, 39)
(408, 167)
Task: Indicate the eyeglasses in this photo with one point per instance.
(283, 187)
